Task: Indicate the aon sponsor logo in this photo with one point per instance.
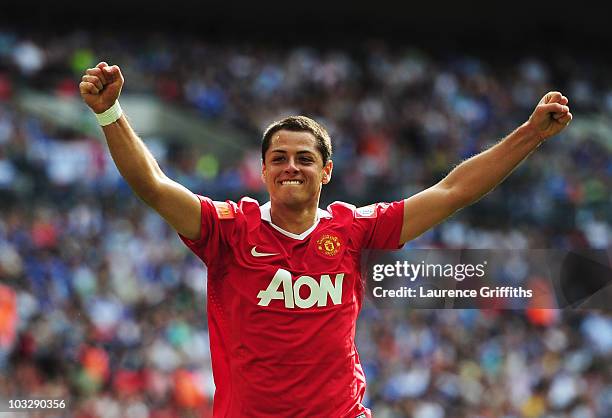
(281, 287)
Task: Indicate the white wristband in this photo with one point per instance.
(110, 115)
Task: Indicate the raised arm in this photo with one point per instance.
(100, 89)
(475, 177)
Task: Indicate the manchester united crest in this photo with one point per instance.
(329, 245)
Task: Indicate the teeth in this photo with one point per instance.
(291, 182)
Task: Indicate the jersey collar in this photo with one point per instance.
(265, 215)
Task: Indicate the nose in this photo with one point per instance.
(291, 166)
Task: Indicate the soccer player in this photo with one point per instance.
(284, 285)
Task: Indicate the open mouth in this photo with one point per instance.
(291, 182)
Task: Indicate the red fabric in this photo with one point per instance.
(187, 393)
(8, 316)
(128, 382)
(6, 88)
(67, 88)
(44, 235)
(95, 362)
(541, 311)
(282, 310)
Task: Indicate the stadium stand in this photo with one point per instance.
(101, 304)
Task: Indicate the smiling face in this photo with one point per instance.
(293, 169)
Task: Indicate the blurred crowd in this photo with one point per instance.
(100, 303)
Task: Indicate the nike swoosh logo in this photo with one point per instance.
(254, 253)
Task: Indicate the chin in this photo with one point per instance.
(293, 200)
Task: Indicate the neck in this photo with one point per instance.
(295, 220)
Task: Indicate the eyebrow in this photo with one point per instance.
(299, 152)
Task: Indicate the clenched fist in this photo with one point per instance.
(550, 116)
(100, 86)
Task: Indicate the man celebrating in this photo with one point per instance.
(284, 286)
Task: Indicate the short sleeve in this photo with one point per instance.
(380, 225)
(213, 232)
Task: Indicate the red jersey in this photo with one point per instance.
(282, 308)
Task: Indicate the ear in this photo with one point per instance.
(327, 172)
(263, 171)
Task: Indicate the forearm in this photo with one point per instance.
(475, 177)
(132, 158)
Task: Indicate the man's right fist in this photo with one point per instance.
(100, 86)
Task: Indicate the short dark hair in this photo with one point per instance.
(299, 124)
